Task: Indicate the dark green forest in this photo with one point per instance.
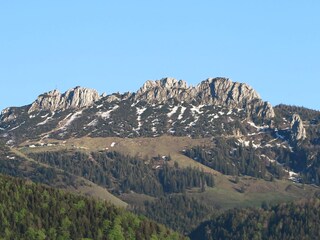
(231, 159)
(119, 173)
(298, 220)
(179, 211)
(33, 211)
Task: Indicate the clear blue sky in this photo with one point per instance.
(117, 45)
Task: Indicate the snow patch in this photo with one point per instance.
(194, 111)
(247, 143)
(106, 115)
(139, 113)
(252, 124)
(17, 126)
(173, 111)
(45, 115)
(141, 110)
(46, 120)
(183, 109)
(72, 118)
(154, 129)
(93, 123)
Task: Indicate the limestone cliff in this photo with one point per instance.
(77, 97)
(213, 91)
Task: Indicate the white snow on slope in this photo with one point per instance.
(106, 115)
(257, 127)
(69, 119)
(17, 126)
(195, 113)
(72, 118)
(173, 111)
(183, 109)
(46, 120)
(139, 112)
(45, 115)
(93, 123)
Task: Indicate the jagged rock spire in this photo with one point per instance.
(298, 132)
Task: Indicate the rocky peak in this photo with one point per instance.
(213, 91)
(77, 97)
(298, 132)
(164, 83)
(162, 90)
(223, 91)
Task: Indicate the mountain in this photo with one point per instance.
(215, 108)
(164, 106)
(179, 154)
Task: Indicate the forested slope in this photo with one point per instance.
(298, 220)
(32, 211)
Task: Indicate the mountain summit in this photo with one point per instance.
(77, 97)
(213, 91)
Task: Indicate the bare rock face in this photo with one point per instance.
(74, 98)
(162, 90)
(213, 91)
(298, 132)
(7, 115)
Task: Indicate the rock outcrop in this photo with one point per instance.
(298, 132)
(213, 91)
(7, 115)
(161, 90)
(77, 97)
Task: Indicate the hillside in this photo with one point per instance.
(298, 220)
(179, 154)
(283, 141)
(32, 211)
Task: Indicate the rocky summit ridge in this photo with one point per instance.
(213, 91)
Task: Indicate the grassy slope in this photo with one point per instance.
(84, 186)
(225, 195)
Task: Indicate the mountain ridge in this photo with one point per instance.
(210, 91)
(215, 108)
